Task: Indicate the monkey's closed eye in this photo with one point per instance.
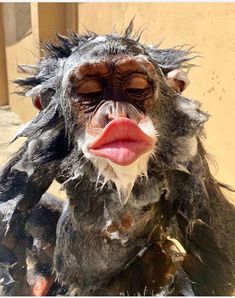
(136, 82)
(89, 87)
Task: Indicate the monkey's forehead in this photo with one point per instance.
(103, 66)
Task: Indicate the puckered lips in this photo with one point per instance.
(122, 141)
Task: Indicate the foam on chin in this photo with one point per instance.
(123, 176)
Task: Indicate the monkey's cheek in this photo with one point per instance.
(122, 153)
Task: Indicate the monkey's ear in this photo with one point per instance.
(177, 80)
(42, 100)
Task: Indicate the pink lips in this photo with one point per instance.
(122, 141)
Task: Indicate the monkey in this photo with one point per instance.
(144, 215)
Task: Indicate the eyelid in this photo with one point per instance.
(89, 86)
(136, 81)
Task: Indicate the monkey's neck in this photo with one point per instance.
(107, 236)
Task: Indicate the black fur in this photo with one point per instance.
(179, 198)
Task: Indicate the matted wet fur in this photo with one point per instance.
(179, 197)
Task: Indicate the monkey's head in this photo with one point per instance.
(120, 101)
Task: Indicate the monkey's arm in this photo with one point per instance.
(21, 187)
(206, 223)
(23, 181)
(31, 171)
(20, 191)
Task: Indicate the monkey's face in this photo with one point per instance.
(113, 91)
(111, 96)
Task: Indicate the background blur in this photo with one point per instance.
(210, 27)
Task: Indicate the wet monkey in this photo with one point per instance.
(144, 214)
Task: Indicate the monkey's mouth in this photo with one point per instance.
(122, 141)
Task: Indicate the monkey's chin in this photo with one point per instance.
(124, 177)
(122, 170)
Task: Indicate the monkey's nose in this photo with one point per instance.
(112, 110)
(116, 110)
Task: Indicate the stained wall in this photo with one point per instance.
(3, 71)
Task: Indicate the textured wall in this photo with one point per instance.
(3, 72)
(21, 48)
(210, 28)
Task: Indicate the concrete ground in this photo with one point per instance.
(9, 125)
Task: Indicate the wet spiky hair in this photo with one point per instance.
(167, 59)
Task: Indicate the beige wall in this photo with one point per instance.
(56, 17)
(3, 72)
(51, 19)
(210, 27)
(22, 46)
